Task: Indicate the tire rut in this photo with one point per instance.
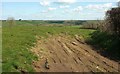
(67, 54)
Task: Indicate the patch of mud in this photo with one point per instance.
(65, 54)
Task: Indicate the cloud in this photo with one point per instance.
(66, 6)
(44, 11)
(67, 1)
(99, 6)
(107, 5)
(78, 9)
(45, 3)
(48, 2)
(51, 8)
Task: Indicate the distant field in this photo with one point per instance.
(18, 39)
(53, 22)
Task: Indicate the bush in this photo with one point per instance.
(110, 44)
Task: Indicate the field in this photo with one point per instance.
(18, 40)
(22, 42)
(60, 36)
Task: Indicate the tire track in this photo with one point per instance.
(71, 55)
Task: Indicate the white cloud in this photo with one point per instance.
(44, 11)
(48, 2)
(66, 6)
(99, 6)
(78, 9)
(51, 8)
(107, 5)
(45, 3)
(67, 1)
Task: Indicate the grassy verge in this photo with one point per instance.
(17, 41)
(110, 44)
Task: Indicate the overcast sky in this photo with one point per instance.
(56, 9)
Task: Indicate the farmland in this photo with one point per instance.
(26, 46)
(17, 41)
(61, 36)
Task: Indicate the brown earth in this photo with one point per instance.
(66, 54)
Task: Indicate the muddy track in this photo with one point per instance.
(66, 54)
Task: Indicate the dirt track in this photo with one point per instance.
(66, 54)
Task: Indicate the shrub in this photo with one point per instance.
(110, 44)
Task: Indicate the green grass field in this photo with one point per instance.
(18, 40)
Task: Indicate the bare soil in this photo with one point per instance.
(66, 54)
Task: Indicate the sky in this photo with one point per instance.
(56, 9)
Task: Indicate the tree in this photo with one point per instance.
(113, 17)
(20, 19)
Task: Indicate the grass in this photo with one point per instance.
(0, 48)
(110, 44)
(18, 40)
